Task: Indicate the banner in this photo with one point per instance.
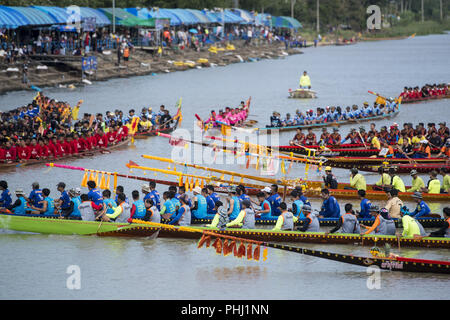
(89, 24)
(89, 63)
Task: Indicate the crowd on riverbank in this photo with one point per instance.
(47, 128)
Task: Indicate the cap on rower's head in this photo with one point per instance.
(374, 209)
(232, 189)
(61, 185)
(20, 191)
(413, 172)
(267, 189)
(366, 103)
(328, 168)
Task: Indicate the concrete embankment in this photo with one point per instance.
(65, 71)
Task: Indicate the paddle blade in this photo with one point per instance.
(131, 163)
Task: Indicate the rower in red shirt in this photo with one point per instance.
(66, 145)
(79, 143)
(23, 151)
(73, 144)
(91, 141)
(35, 149)
(111, 136)
(10, 152)
(52, 147)
(102, 141)
(44, 151)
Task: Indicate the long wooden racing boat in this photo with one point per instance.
(401, 165)
(431, 98)
(53, 225)
(310, 237)
(152, 133)
(268, 129)
(302, 94)
(338, 151)
(83, 154)
(431, 221)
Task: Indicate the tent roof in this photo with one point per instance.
(244, 14)
(58, 14)
(200, 15)
(142, 13)
(14, 17)
(120, 14)
(100, 18)
(167, 13)
(286, 22)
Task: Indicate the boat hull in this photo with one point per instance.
(302, 94)
(46, 225)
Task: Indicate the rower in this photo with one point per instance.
(138, 209)
(311, 223)
(20, 206)
(390, 224)
(274, 200)
(299, 190)
(445, 150)
(110, 204)
(394, 203)
(63, 203)
(417, 182)
(275, 120)
(221, 218)
(299, 138)
(5, 197)
(246, 217)
(347, 223)
(233, 203)
(424, 150)
(422, 208)
(385, 180)
(87, 208)
(240, 192)
(286, 219)
(265, 212)
(411, 227)
(365, 205)
(374, 141)
(212, 194)
(169, 209)
(446, 180)
(335, 137)
(94, 194)
(434, 185)
(35, 198)
(297, 205)
(121, 212)
(310, 139)
(444, 231)
(357, 180)
(75, 202)
(379, 226)
(183, 215)
(154, 194)
(396, 181)
(330, 207)
(151, 212)
(329, 179)
(199, 208)
(305, 81)
(210, 204)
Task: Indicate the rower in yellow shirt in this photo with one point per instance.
(446, 181)
(305, 81)
(434, 185)
(385, 180)
(374, 141)
(396, 181)
(417, 182)
(357, 180)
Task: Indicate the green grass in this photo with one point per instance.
(419, 28)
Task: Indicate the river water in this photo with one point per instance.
(175, 269)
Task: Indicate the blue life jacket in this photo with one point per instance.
(236, 208)
(50, 207)
(140, 210)
(22, 208)
(299, 213)
(201, 211)
(171, 206)
(266, 215)
(107, 202)
(76, 202)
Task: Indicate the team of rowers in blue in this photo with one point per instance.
(178, 208)
(333, 114)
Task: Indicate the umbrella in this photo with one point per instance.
(193, 30)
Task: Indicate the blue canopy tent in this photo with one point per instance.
(166, 13)
(211, 16)
(25, 16)
(10, 20)
(248, 17)
(100, 19)
(58, 14)
(141, 13)
(229, 16)
(263, 19)
(185, 16)
(286, 22)
(202, 18)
